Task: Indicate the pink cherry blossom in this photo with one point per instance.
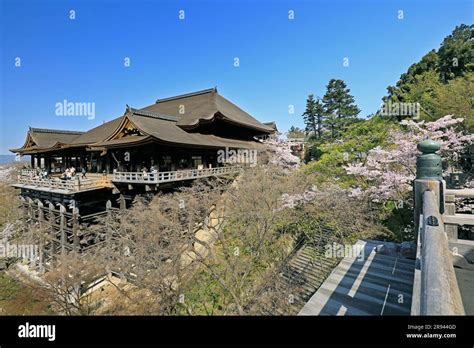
(281, 154)
(389, 172)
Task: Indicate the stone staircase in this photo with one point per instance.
(306, 270)
(305, 273)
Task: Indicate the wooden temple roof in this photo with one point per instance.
(165, 121)
(42, 140)
(272, 125)
(192, 108)
(161, 128)
(97, 134)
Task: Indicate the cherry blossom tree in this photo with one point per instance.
(281, 154)
(387, 173)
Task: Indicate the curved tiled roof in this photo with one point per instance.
(98, 133)
(272, 125)
(44, 139)
(165, 129)
(166, 121)
(191, 108)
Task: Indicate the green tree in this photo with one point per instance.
(457, 98)
(313, 116)
(439, 99)
(320, 112)
(429, 62)
(309, 115)
(295, 132)
(454, 59)
(423, 89)
(456, 53)
(340, 108)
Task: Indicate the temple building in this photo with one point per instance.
(181, 132)
(75, 177)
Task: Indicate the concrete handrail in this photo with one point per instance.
(440, 293)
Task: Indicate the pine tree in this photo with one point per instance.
(309, 115)
(320, 112)
(340, 108)
(313, 116)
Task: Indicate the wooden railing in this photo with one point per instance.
(28, 172)
(163, 177)
(75, 184)
(464, 193)
(451, 219)
(438, 291)
(435, 286)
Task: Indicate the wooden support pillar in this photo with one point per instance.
(52, 218)
(62, 225)
(32, 161)
(47, 163)
(90, 161)
(108, 207)
(107, 164)
(41, 238)
(123, 204)
(30, 211)
(75, 228)
(24, 211)
(77, 182)
(99, 164)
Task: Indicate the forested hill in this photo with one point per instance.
(443, 80)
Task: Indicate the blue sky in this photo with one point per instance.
(281, 60)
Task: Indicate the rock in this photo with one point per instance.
(3, 265)
(408, 249)
(187, 258)
(387, 248)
